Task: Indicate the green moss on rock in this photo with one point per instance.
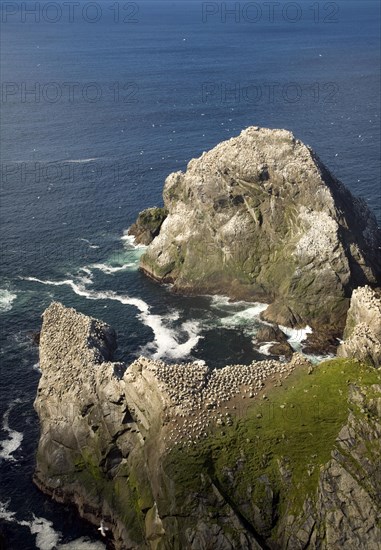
(270, 460)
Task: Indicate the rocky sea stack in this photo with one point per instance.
(259, 217)
(267, 456)
(271, 456)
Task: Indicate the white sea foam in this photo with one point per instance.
(166, 343)
(221, 302)
(128, 260)
(177, 342)
(89, 243)
(87, 270)
(244, 318)
(237, 315)
(173, 315)
(141, 305)
(6, 299)
(85, 278)
(81, 290)
(224, 303)
(36, 367)
(109, 269)
(77, 288)
(82, 543)
(47, 538)
(14, 440)
(296, 336)
(167, 339)
(6, 514)
(130, 241)
(81, 161)
(265, 348)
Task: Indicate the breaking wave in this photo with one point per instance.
(296, 336)
(127, 260)
(47, 538)
(6, 299)
(14, 439)
(170, 341)
(129, 240)
(237, 315)
(109, 269)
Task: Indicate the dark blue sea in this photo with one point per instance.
(100, 101)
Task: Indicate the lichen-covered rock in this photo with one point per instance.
(148, 224)
(260, 218)
(362, 334)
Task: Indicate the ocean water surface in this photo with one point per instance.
(98, 106)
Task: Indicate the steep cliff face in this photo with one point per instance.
(91, 450)
(262, 456)
(345, 510)
(259, 217)
(104, 431)
(362, 334)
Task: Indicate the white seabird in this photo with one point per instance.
(103, 528)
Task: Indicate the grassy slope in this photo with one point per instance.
(296, 426)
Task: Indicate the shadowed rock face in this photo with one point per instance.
(118, 443)
(260, 218)
(148, 224)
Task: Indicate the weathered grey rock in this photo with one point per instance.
(260, 218)
(280, 345)
(104, 432)
(362, 335)
(107, 434)
(83, 415)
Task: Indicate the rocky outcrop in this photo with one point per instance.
(276, 341)
(105, 430)
(362, 334)
(82, 417)
(160, 453)
(260, 218)
(148, 224)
